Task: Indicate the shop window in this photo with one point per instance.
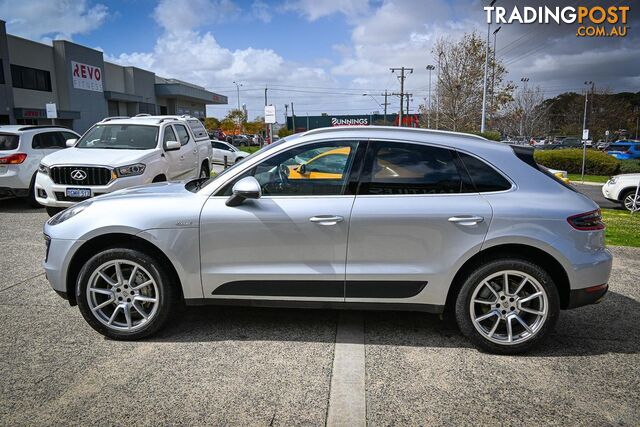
(30, 78)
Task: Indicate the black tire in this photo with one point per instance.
(238, 160)
(204, 171)
(623, 196)
(168, 295)
(53, 211)
(159, 178)
(484, 270)
(31, 198)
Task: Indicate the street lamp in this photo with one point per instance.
(238, 91)
(371, 96)
(493, 70)
(585, 135)
(429, 69)
(524, 80)
(484, 85)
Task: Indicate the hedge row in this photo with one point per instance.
(570, 160)
(630, 166)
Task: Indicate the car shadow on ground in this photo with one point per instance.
(18, 205)
(609, 327)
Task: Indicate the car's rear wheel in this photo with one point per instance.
(204, 171)
(629, 200)
(507, 306)
(125, 294)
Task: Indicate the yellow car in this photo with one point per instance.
(327, 165)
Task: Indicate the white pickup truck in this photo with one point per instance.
(122, 152)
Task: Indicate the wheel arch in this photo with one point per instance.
(112, 240)
(624, 191)
(523, 251)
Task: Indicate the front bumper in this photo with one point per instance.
(587, 296)
(55, 194)
(57, 256)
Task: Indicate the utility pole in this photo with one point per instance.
(293, 118)
(238, 92)
(486, 66)
(584, 127)
(524, 80)
(267, 125)
(386, 103)
(286, 115)
(408, 95)
(401, 77)
(493, 71)
(429, 69)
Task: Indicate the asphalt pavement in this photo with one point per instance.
(595, 193)
(248, 366)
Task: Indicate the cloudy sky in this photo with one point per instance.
(323, 55)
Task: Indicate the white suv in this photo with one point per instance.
(622, 189)
(118, 153)
(21, 150)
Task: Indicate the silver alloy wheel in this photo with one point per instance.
(628, 202)
(509, 307)
(122, 295)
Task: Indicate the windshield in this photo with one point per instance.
(8, 141)
(235, 166)
(120, 137)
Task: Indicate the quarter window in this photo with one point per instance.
(182, 134)
(311, 170)
(483, 176)
(398, 168)
(47, 140)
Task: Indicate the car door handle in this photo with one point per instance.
(466, 219)
(326, 219)
(195, 151)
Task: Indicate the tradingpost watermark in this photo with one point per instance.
(593, 21)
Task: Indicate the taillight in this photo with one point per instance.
(587, 221)
(13, 159)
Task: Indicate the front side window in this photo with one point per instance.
(399, 168)
(320, 169)
(169, 135)
(120, 137)
(183, 135)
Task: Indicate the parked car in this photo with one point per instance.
(436, 221)
(602, 145)
(562, 175)
(561, 143)
(120, 153)
(223, 149)
(624, 150)
(21, 150)
(238, 140)
(622, 189)
(218, 134)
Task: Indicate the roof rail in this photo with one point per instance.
(27, 127)
(142, 115)
(107, 119)
(390, 128)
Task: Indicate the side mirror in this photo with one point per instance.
(71, 142)
(247, 188)
(302, 168)
(172, 146)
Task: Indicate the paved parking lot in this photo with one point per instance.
(239, 366)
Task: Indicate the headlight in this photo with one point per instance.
(612, 180)
(68, 213)
(43, 169)
(130, 170)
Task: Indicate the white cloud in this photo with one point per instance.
(261, 11)
(46, 19)
(184, 15)
(314, 9)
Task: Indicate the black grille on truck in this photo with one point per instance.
(93, 175)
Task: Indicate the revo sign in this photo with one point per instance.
(86, 76)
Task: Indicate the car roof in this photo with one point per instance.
(26, 128)
(146, 119)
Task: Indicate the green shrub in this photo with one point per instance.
(630, 166)
(490, 134)
(570, 160)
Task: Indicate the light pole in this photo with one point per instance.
(438, 90)
(524, 80)
(238, 92)
(484, 85)
(493, 70)
(584, 127)
(429, 69)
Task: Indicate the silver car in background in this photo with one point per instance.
(360, 217)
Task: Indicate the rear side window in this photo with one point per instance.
(8, 141)
(183, 135)
(198, 129)
(484, 177)
(397, 168)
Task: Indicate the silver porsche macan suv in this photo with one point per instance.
(358, 217)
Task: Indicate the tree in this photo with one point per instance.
(526, 114)
(233, 122)
(211, 123)
(460, 81)
(284, 132)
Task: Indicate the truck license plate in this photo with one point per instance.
(79, 193)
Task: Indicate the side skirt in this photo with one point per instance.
(426, 308)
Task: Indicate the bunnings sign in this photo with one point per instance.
(303, 123)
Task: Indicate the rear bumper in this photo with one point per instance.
(587, 296)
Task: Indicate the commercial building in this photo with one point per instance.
(304, 123)
(83, 87)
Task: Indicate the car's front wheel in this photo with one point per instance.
(53, 211)
(507, 306)
(125, 294)
(630, 201)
